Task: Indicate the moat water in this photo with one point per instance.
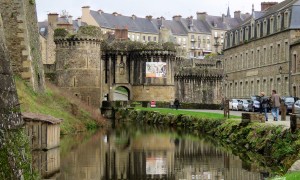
(140, 153)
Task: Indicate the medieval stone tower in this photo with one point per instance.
(78, 68)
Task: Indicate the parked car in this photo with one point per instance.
(297, 107)
(288, 103)
(254, 104)
(233, 104)
(243, 105)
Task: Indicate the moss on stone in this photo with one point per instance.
(128, 45)
(15, 155)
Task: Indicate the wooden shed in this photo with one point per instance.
(43, 131)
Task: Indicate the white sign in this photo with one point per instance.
(156, 69)
(156, 165)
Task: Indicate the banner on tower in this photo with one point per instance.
(156, 69)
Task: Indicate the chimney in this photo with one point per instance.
(52, 19)
(70, 19)
(133, 17)
(191, 22)
(177, 17)
(149, 17)
(100, 11)
(223, 18)
(237, 14)
(266, 5)
(201, 16)
(85, 13)
(79, 21)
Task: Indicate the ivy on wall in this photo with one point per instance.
(32, 2)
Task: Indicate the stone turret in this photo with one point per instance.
(78, 68)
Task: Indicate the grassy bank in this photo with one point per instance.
(186, 112)
(272, 147)
(76, 115)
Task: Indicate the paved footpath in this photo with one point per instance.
(239, 113)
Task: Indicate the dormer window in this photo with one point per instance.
(286, 18)
(278, 22)
(265, 27)
(252, 30)
(236, 38)
(272, 25)
(247, 33)
(241, 35)
(231, 39)
(258, 29)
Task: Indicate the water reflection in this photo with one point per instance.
(135, 153)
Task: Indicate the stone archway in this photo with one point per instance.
(121, 93)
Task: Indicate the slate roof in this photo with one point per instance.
(228, 23)
(40, 117)
(136, 24)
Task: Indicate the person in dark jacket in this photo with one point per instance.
(176, 103)
(264, 104)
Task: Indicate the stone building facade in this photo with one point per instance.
(22, 40)
(295, 69)
(257, 53)
(77, 68)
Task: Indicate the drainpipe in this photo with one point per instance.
(290, 72)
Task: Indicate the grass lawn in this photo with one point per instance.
(185, 112)
(289, 176)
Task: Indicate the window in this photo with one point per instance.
(149, 38)
(272, 24)
(154, 38)
(279, 52)
(241, 35)
(247, 33)
(192, 37)
(252, 30)
(132, 37)
(278, 22)
(179, 40)
(199, 44)
(137, 37)
(199, 38)
(231, 39)
(208, 40)
(144, 38)
(236, 38)
(258, 29)
(265, 27)
(183, 39)
(286, 19)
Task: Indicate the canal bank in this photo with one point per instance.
(273, 147)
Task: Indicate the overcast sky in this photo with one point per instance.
(141, 8)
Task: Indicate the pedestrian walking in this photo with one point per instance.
(275, 101)
(264, 103)
(176, 103)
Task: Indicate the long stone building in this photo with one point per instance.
(258, 53)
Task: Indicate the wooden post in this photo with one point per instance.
(226, 109)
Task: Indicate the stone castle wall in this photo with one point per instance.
(10, 117)
(22, 39)
(78, 68)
